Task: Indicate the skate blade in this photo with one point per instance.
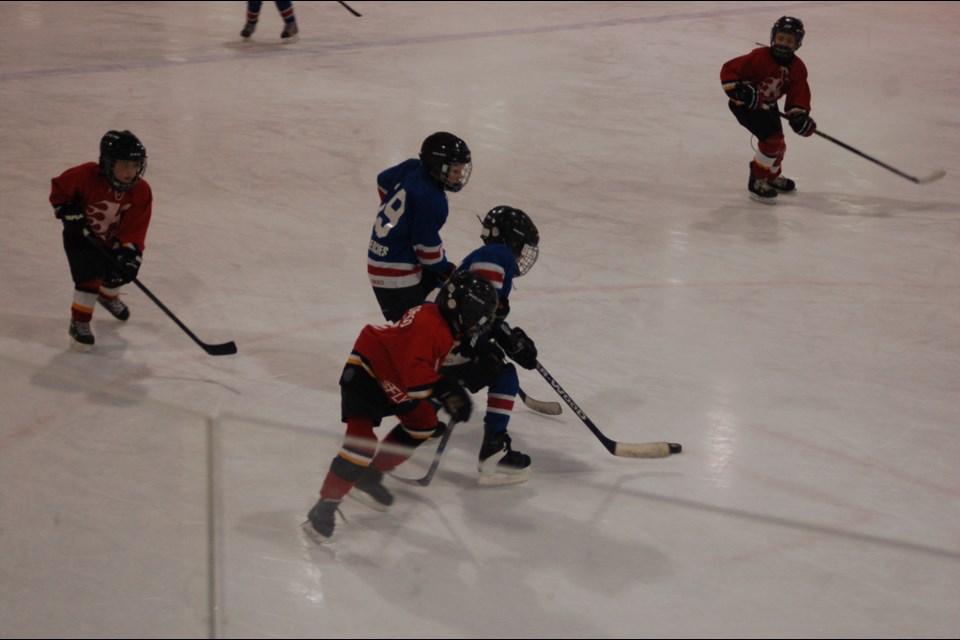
(79, 346)
(312, 533)
(501, 479)
(762, 200)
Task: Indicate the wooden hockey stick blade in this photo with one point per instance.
(541, 406)
(932, 177)
(622, 449)
(427, 479)
(646, 450)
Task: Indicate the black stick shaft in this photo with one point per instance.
(225, 349)
(859, 153)
(350, 9)
(610, 445)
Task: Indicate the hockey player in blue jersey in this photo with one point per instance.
(510, 248)
(405, 257)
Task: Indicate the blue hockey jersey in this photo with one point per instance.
(496, 263)
(406, 234)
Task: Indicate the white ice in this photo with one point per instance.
(806, 355)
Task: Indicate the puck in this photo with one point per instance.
(675, 447)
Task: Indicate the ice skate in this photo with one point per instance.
(81, 338)
(290, 33)
(322, 519)
(370, 491)
(116, 307)
(500, 464)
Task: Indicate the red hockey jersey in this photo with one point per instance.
(114, 217)
(772, 80)
(404, 357)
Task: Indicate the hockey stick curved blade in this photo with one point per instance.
(622, 449)
(932, 177)
(224, 349)
(541, 406)
(646, 450)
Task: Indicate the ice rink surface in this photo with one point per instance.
(807, 355)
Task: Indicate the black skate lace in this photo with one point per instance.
(82, 328)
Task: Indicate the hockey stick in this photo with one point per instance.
(350, 9)
(932, 176)
(540, 406)
(425, 480)
(224, 349)
(624, 449)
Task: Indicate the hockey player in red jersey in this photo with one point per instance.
(393, 370)
(754, 84)
(112, 202)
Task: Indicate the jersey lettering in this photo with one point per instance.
(391, 210)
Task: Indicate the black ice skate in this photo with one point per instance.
(81, 338)
(500, 464)
(370, 491)
(322, 518)
(116, 307)
(783, 185)
(248, 29)
(761, 191)
(290, 33)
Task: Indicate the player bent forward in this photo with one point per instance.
(393, 370)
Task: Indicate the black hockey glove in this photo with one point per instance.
(518, 345)
(453, 398)
(129, 259)
(503, 310)
(749, 95)
(801, 122)
(73, 216)
(430, 280)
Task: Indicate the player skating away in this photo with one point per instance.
(405, 256)
(113, 202)
(394, 370)
(754, 83)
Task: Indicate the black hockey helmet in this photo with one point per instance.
(468, 302)
(514, 228)
(121, 145)
(439, 152)
(793, 26)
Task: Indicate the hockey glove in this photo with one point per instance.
(129, 259)
(453, 398)
(73, 216)
(520, 348)
(430, 280)
(801, 122)
(503, 310)
(749, 95)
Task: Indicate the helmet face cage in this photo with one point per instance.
(786, 24)
(528, 258)
(461, 181)
(444, 154)
(468, 302)
(121, 145)
(514, 228)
